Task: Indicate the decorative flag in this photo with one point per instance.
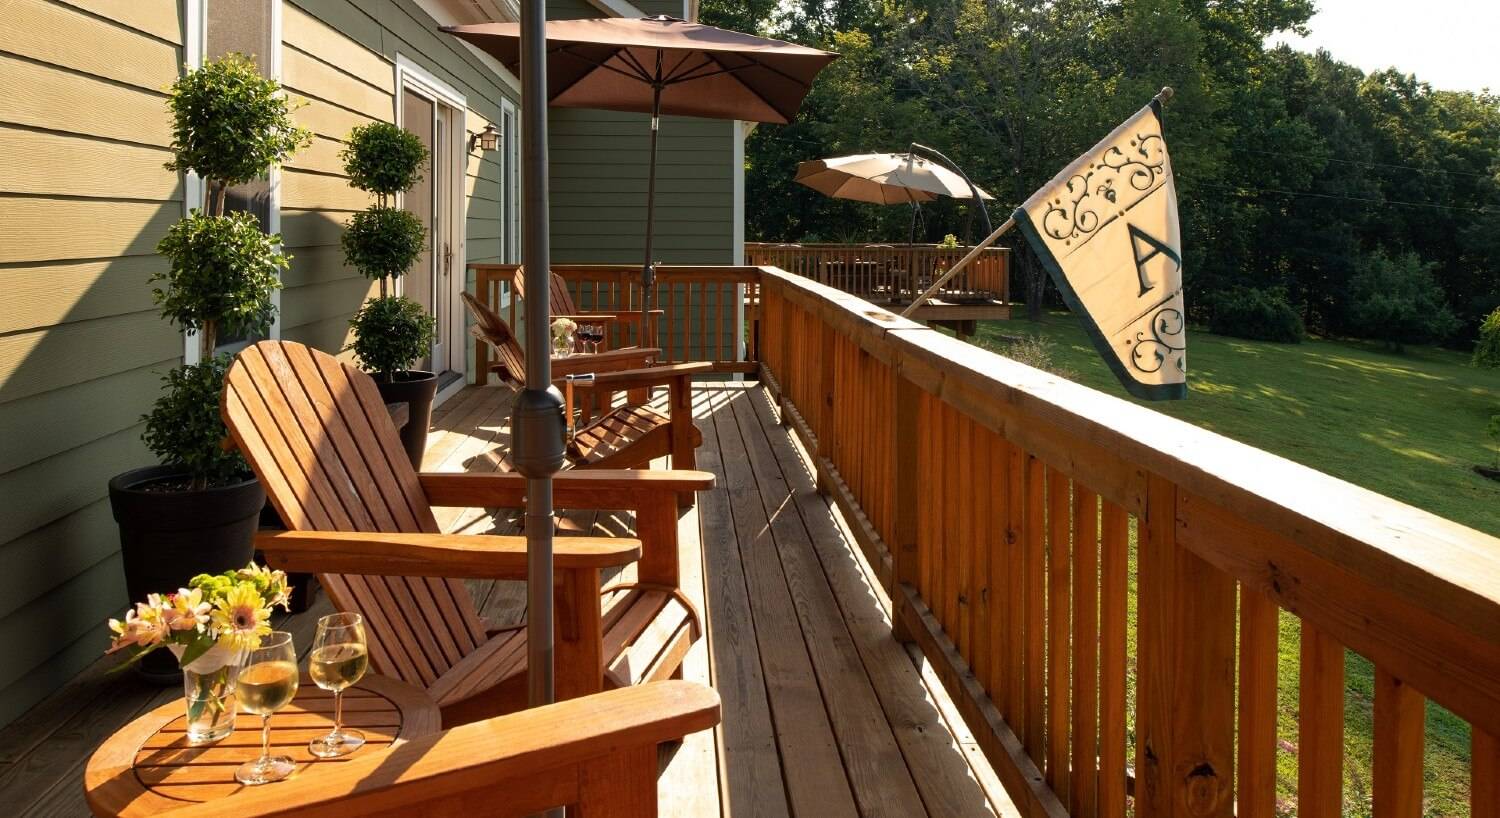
(1106, 230)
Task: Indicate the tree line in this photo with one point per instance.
(1310, 192)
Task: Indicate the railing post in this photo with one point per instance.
(905, 559)
(1185, 678)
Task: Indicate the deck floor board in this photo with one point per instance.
(824, 714)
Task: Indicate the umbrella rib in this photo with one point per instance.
(787, 115)
(642, 77)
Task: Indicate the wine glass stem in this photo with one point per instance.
(265, 740)
(338, 712)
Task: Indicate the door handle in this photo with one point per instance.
(447, 258)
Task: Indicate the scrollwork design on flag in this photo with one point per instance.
(1090, 199)
(1150, 354)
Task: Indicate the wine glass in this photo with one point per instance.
(268, 681)
(586, 334)
(340, 657)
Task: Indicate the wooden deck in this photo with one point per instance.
(824, 714)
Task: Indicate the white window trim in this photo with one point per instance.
(510, 180)
(410, 75)
(196, 23)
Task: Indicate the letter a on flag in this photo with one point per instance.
(1106, 230)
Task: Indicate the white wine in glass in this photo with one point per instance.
(268, 682)
(340, 657)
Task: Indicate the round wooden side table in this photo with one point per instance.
(149, 767)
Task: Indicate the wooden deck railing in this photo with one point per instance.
(890, 273)
(708, 313)
(1010, 513)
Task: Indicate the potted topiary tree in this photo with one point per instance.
(197, 512)
(391, 333)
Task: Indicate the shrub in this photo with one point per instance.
(1487, 348)
(184, 428)
(224, 270)
(1262, 315)
(383, 158)
(1036, 351)
(949, 241)
(1398, 301)
(229, 123)
(390, 334)
(383, 241)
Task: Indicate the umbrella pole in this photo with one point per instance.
(537, 419)
(648, 268)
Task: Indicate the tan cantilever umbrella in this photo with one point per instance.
(662, 65)
(883, 178)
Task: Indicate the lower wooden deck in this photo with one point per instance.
(824, 713)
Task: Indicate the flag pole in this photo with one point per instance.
(962, 263)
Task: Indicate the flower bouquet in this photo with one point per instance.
(562, 336)
(209, 626)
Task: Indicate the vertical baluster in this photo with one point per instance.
(1083, 790)
(1114, 571)
(952, 509)
(980, 640)
(962, 459)
(1015, 658)
(1257, 705)
(1059, 616)
(1400, 713)
(1320, 728)
(1484, 772)
(996, 518)
(1034, 568)
(926, 508)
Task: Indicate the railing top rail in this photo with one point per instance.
(665, 272)
(867, 245)
(1435, 566)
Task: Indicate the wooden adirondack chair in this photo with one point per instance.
(626, 437)
(563, 306)
(322, 443)
(596, 755)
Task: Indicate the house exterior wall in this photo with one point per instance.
(84, 199)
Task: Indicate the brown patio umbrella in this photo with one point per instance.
(662, 65)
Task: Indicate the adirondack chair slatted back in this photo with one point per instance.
(561, 302)
(321, 440)
(493, 329)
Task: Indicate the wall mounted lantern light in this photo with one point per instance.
(488, 139)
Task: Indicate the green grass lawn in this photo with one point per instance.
(1409, 426)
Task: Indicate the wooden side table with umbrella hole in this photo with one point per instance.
(149, 767)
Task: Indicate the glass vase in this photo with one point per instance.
(208, 692)
(210, 701)
(562, 344)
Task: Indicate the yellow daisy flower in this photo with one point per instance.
(240, 618)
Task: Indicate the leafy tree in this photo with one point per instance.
(1397, 300)
(229, 125)
(1487, 349)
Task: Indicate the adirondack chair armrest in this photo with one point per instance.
(651, 376)
(524, 760)
(581, 489)
(461, 556)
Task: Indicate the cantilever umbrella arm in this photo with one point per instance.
(984, 212)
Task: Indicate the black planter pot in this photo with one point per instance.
(416, 389)
(168, 537)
